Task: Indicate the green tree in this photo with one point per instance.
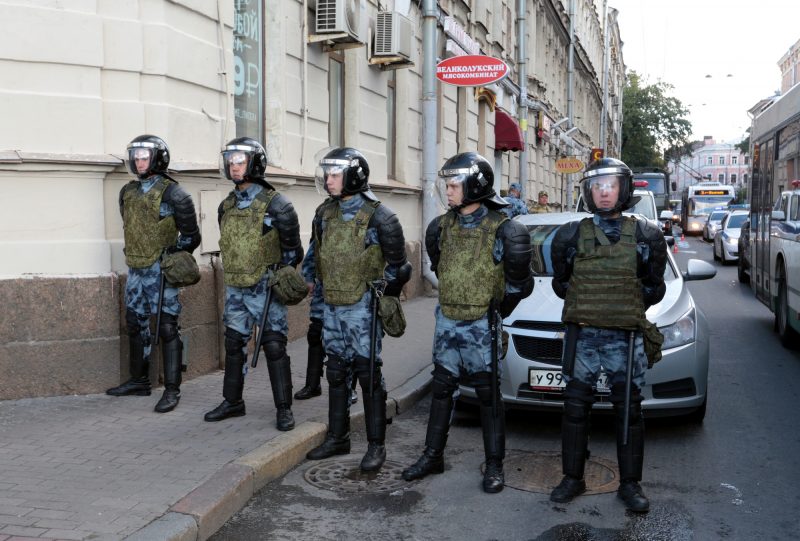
(653, 123)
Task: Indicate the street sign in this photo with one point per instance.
(597, 154)
(569, 165)
(471, 70)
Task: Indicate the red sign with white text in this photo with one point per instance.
(471, 70)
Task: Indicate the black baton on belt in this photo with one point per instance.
(570, 348)
(493, 334)
(628, 378)
(263, 322)
(160, 306)
(376, 289)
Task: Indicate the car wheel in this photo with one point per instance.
(744, 278)
(722, 255)
(698, 415)
(787, 335)
(714, 251)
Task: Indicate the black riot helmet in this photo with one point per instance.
(476, 177)
(604, 176)
(351, 164)
(152, 149)
(244, 151)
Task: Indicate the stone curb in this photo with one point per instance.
(199, 514)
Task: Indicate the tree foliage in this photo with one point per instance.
(654, 124)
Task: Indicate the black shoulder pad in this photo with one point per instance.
(390, 235)
(432, 236)
(516, 251)
(284, 217)
(182, 205)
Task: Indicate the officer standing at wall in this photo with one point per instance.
(541, 206)
(260, 246)
(482, 259)
(516, 206)
(356, 242)
(158, 218)
(609, 269)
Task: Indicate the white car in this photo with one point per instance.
(713, 224)
(531, 370)
(645, 207)
(726, 239)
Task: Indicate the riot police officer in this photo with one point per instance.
(357, 242)
(541, 205)
(158, 217)
(260, 244)
(609, 269)
(516, 206)
(482, 259)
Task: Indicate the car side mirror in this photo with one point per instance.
(666, 215)
(778, 216)
(698, 270)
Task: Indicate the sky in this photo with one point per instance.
(737, 42)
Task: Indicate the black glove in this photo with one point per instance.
(507, 305)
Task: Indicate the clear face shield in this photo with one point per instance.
(604, 191)
(235, 165)
(330, 175)
(451, 188)
(140, 159)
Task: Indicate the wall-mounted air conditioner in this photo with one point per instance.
(394, 35)
(340, 20)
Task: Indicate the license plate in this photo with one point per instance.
(553, 381)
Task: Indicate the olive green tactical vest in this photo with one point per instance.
(246, 252)
(603, 289)
(146, 234)
(468, 275)
(346, 266)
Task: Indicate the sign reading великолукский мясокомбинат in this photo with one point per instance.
(471, 70)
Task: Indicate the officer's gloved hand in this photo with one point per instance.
(507, 305)
(393, 289)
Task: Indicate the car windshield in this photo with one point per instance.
(541, 259)
(716, 216)
(643, 207)
(736, 221)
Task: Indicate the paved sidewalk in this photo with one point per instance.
(104, 468)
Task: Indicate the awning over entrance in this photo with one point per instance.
(507, 134)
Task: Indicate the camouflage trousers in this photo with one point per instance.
(345, 330)
(607, 349)
(141, 298)
(316, 309)
(245, 305)
(462, 346)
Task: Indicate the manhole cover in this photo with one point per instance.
(344, 475)
(541, 472)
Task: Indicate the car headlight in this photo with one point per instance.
(729, 241)
(681, 332)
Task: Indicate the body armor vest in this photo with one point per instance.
(603, 289)
(246, 251)
(345, 264)
(468, 275)
(146, 234)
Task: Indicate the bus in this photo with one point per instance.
(698, 200)
(657, 182)
(774, 196)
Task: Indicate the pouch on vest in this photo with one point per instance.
(391, 313)
(653, 339)
(288, 285)
(180, 269)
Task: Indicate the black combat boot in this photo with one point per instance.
(574, 449)
(139, 382)
(280, 378)
(337, 440)
(630, 457)
(494, 446)
(375, 418)
(432, 459)
(316, 355)
(233, 383)
(171, 357)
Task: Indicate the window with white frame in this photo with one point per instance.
(336, 99)
(734, 160)
(721, 177)
(710, 160)
(722, 160)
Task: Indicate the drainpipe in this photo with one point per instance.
(606, 44)
(430, 149)
(570, 92)
(522, 54)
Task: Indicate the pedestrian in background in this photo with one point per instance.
(541, 206)
(516, 206)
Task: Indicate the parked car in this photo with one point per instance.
(645, 207)
(712, 224)
(743, 263)
(531, 369)
(726, 239)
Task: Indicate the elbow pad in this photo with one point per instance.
(432, 242)
(390, 235)
(516, 252)
(185, 216)
(284, 219)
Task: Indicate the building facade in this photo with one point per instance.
(82, 78)
(711, 161)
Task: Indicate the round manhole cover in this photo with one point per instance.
(541, 472)
(344, 475)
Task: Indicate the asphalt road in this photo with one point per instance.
(733, 477)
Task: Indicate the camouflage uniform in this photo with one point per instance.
(516, 207)
(539, 209)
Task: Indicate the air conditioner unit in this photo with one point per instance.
(394, 35)
(340, 19)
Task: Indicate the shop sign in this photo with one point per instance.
(471, 70)
(569, 165)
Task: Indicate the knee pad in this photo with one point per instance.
(274, 344)
(314, 335)
(576, 411)
(577, 390)
(168, 329)
(336, 371)
(132, 323)
(234, 341)
(618, 399)
(444, 382)
(482, 381)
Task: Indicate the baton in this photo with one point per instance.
(263, 322)
(493, 334)
(377, 292)
(160, 306)
(628, 378)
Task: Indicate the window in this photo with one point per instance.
(744, 178)
(710, 160)
(747, 160)
(391, 123)
(336, 99)
(733, 178)
(793, 210)
(734, 160)
(722, 160)
(721, 177)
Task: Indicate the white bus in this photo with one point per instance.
(774, 193)
(699, 200)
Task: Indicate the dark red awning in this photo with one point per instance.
(507, 134)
